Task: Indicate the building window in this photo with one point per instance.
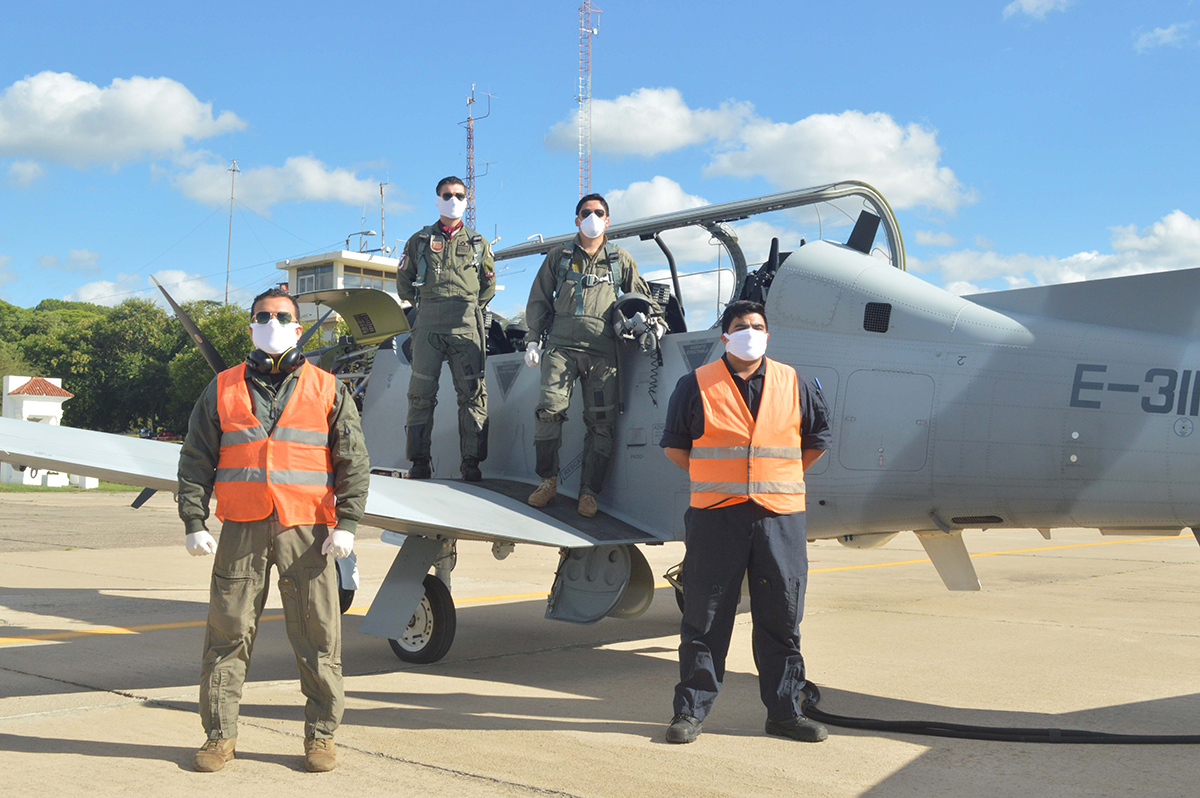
(355, 277)
(314, 278)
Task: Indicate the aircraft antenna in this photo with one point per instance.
(469, 124)
(586, 31)
(233, 173)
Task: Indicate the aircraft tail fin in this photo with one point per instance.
(1163, 303)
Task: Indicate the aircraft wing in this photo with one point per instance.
(117, 458)
(452, 509)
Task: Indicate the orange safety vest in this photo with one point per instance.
(290, 470)
(739, 457)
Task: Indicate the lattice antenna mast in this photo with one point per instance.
(586, 31)
(469, 124)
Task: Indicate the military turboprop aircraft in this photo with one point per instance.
(1070, 405)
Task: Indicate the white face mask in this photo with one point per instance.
(592, 226)
(274, 338)
(747, 344)
(452, 208)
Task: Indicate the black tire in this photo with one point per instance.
(679, 598)
(431, 630)
(345, 597)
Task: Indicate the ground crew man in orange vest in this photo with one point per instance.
(745, 428)
(278, 442)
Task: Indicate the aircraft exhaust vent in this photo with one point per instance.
(976, 520)
(877, 317)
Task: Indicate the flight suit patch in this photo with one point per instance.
(436, 244)
(462, 248)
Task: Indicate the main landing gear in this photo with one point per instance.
(431, 629)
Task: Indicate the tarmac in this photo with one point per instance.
(102, 622)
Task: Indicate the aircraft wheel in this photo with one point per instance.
(679, 598)
(431, 630)
(345, 597)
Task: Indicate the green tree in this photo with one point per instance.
(55, 340)
(133, 347)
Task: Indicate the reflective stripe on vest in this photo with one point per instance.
(289, 471)
(739, 457)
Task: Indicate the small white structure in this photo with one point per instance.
(39, 400)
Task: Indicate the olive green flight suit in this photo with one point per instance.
(579, 344)
(246, 552)
(459, 280)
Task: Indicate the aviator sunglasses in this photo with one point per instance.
(446, 195)
(264, 317)
(586, 212)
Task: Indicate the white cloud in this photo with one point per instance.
(931, 239)
(24, 173)
(6, 276)
(83, 261)
(1038, 9)
(650, 122)
(984, 243)
(902, 162)
(183, 286)
(56, 116)
(300, 178)
(1170, 243)
(1175, 35)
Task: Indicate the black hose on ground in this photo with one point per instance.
(997, 733)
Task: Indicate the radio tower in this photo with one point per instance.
(469, 123)
(586, 31)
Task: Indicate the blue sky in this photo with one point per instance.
(1020, 143)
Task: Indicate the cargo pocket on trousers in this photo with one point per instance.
(294, 606)
(231, 603)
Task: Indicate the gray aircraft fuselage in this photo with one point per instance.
(945, 415)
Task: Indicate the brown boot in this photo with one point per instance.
(545, 492)
(587, 505)
(213, 755)
(320, 755)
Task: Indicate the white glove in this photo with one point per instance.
(659, 330)
(340, 542)
(533, 354)
(200, 544)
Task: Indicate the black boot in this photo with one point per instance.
(470, 470)
(420, 469)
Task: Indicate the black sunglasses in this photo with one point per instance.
(586, 212)
(446, 195)
(264, 317)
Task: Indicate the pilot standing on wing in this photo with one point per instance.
(745, 428)
(448, 273)
(278, 442)
(570, 307)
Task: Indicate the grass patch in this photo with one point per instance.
(105, 487)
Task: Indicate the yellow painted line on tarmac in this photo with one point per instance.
(477, 600)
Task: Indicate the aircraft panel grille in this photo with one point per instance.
(877, 317)
(971, 520)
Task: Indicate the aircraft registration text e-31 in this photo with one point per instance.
(1170, 391)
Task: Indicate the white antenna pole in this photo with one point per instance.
(382, 222)
(233, 173)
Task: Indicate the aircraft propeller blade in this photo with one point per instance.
(309, 332)
(211, 356)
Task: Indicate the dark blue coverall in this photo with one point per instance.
(725, 542)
